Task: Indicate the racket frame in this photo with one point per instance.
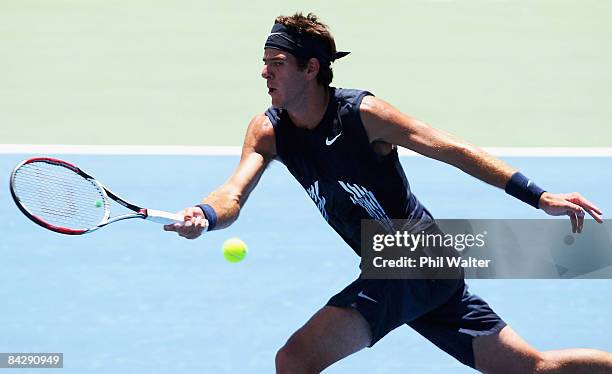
(138, 212)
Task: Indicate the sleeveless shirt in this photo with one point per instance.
(344, 177)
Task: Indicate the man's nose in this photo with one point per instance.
(264, 72)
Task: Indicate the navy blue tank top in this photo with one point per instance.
(345, 178)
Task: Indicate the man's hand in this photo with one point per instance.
(572, 204)
(195, 223)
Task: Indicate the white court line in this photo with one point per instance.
(178, 150)
(190, 150)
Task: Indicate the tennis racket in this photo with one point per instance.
(61, 197)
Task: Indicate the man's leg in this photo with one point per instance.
(507, 352)
(330, 335)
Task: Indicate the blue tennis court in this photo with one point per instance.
(131, 298)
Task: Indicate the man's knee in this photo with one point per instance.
(578, 360)
(532, 362)
(545, 364)
(292, 358)
(535, 363)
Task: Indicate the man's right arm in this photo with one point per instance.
(258, 150)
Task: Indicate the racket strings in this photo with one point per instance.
(60, 196)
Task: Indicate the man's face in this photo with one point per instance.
(286, 82)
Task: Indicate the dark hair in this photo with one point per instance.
(311, 25)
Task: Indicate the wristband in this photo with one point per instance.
(210, 215)
(524, 189)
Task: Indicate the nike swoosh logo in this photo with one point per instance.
(361, 294)
(330, 142)
(528, 183)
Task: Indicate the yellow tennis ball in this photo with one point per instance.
(234, 250)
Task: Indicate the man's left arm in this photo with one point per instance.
(385, 123)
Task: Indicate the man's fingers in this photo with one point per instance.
(594, 208)
(574, 208)
(186, 228)
(173, 227)
(574, 212)
(190, 229)
(594, 211)
(200, 223)
(574, 221)
(595, 215)
(579, 200)
(193, 225)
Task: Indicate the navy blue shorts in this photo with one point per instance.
(442, 310)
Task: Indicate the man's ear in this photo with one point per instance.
(312, 69)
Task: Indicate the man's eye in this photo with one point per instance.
(278, 63)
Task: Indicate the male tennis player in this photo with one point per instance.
(341, 147)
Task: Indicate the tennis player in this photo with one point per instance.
(340, 145)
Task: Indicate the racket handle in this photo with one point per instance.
(165, 218)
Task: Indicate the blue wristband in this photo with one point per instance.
(524, 189)
(210, 214)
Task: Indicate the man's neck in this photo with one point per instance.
(311, 112)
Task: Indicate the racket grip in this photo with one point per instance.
(164, 218)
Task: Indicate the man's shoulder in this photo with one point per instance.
(349, 94)
(351, 98)
(261, 125)
(260, 135)
(274, 115)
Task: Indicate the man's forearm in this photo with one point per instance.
(226, 205)
(479, 164)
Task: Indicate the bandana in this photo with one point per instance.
(300, 44)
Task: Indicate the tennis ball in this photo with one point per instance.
(234, 250)
(98, 203)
